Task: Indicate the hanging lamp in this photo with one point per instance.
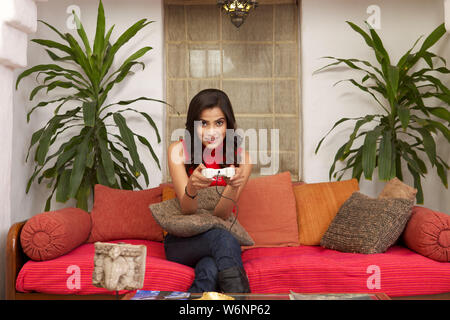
(238, 10)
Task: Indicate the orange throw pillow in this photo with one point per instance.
(266, 209)
(317, 205)
(124, 214)
(51, 234)
(168, 193)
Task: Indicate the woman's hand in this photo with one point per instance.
(197, 181)
(237, 180)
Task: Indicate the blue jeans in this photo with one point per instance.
(209, 252)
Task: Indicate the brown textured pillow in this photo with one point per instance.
(367, 225)
(395, 188)
(169, 216)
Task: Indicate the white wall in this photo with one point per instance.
(17, 19)
(6, 80)
(149, 82)
(325, 33)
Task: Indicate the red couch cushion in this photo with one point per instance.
(267, 211)
(124, 214)
(72, 272)
(51, 234)
(313, 269)
(306, 269)
(428, 233)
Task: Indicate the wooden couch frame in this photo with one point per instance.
(15, 259)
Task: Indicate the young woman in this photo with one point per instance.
(215, 254)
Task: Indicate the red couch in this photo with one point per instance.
(307, 269)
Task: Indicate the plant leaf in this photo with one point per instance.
(428, 144)
(378, 45)
(107, 162)
(41, 67)
(54, 44)
(89, 110)
(138, 54)
(338, 155)
(334, 126)
(53, 125)
(440, 112)
(124, 38)
(433, 38)
(417, 184)
(99, 34)
(393, 75)
(365, 89)
(54, 29)
(148, 118)
(442, 173)
(62, 189)
(81, 58)
(82, 34)
(128, 138)
(83, 193)
(369, 153)
(358, 125)
(386, 160)
(127, 102)
(79, 164)
(404, 115)
(148, 145)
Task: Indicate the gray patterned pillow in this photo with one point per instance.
(367, 225)
(169, 216)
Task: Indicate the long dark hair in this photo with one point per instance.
(205, 99)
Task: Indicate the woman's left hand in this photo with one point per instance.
(237, 180)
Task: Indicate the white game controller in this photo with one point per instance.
(223, 172)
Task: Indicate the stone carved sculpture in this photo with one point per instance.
(119, 266)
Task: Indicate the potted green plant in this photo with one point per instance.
(402, 132)
(89, 157)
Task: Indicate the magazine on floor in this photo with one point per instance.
(160, 295)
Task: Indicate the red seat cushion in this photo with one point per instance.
(306, 269)
(160, 274)
(313, 269)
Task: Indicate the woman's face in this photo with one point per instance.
(212, 128)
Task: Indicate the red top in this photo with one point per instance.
(209, 163)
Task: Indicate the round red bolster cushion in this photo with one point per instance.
(428, 233)
(51, 234)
